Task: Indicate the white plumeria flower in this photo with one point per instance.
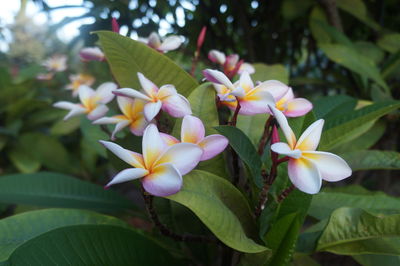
(79, 80)
(56, 63)
(293, 107)
(93, 103)
(253, 99)
(192, 131)
(230, 62)
(165, 97)
(132, 116)
(170, 43)
(161, 167)
(307, 167)
(91, 54)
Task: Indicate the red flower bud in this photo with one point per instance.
(115, 25)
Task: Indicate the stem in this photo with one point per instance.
(282, 160)
(148, 200)
(194, 62)
(266, 135)
(235, 115)
(285, 193)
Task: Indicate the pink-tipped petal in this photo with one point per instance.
(153, 40)
(283, 148)
(192, 129)
(118, 127)
(218, 77)
(104, 92)
(138, 126)
(98, 112)
(310, 138)
(283, 123)
(151, 110)
(170, 43)
(212, 145)
(217, 57)
(176, 106)
(275, 87)
(164, 180)
(149, 87)
(127, 175)
(246, 67)
(245, 82)
(256, 102)
(168, 139)
(184, 156)
(297, 107)
(127, 92)
(91, 54)
(305, 175)
(152, 145)
(231, 61)
(166, 91)
(133, 158)
(107, 120)
(332, 167)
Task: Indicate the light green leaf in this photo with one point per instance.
(343, 126)
(18, 229)
(355, 231)
(252, 126)
(24, 161)
(325, 202)
(372, 159)
(373, 260)
(245, 149)
(370, 50)
(221, 207)
(65, 127)
(390, 42)
(92, 134)
(91, 245)
(127, 57)
(58, 190)
(266, 72)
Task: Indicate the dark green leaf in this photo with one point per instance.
(372, 159)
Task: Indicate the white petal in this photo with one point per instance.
(217, 57)
(125, 104)
(127, 175)
(107, 120)
(165, 91)
(153, 40)
(275, 87)
(218, 77)
(332, 167)
(152, 145)
(212, 145)
(77, 110)
(309, 140)
(283, 148)
(246, 67)
(65, 105)
(98, 112)
(238, 92)
(85, 94)
(91, 54)
(133, 158)
(283, 123)
(192, 130)
(184, 156)
(176, 106)
(168, 139)
(151, 109)
(127, 92)
(245, 82)
(164, 180)
(256, 102)
(120, 125)
(149, 87)
(305, 175)
(104, 92)
(170, 43)
(231, 61)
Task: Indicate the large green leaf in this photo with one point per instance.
(373, 260)
(245, 149)
(330, 106)
(341, 127)
(222, 208)
(91, 245)
(92, 134)
(252, 126)
(58, 190)
(358, 9)
(355, 231)
(265, 72)
(373, 51)
(372, 159)
(390, 42)
(351, 59)
(325, 202)
(127, 57)
(18, 229)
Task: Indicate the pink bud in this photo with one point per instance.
(275, 135)
(114, 25)
(91, 54)
(202, 35)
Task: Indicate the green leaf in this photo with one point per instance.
(65, 127)
(266, 72)
(391, 66)
(368, 48)
(330, 106)
(319, 34)
(58, 190)
(390, 42)
(372, 159)
(343, 126)
(18, 229)
(127, 57)
(252, 126)
(92, 134)
(355, 231)
(358, 9)
(222, 208)
(25, 162)
(373, 260)
(325, 202)
(292, 9)
(245, 149)
(91, 245)
(354, 61)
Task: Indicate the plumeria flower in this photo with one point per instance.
(307, 167)
(132, 116)
(56, 63)
(160, 167)
(293, 107)
(170, 43)
(93, 103)
(165, 97)
(252, 99)
(78, 80)
(45, 76)
(192, 131)
(230, 63)
(91, 54)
